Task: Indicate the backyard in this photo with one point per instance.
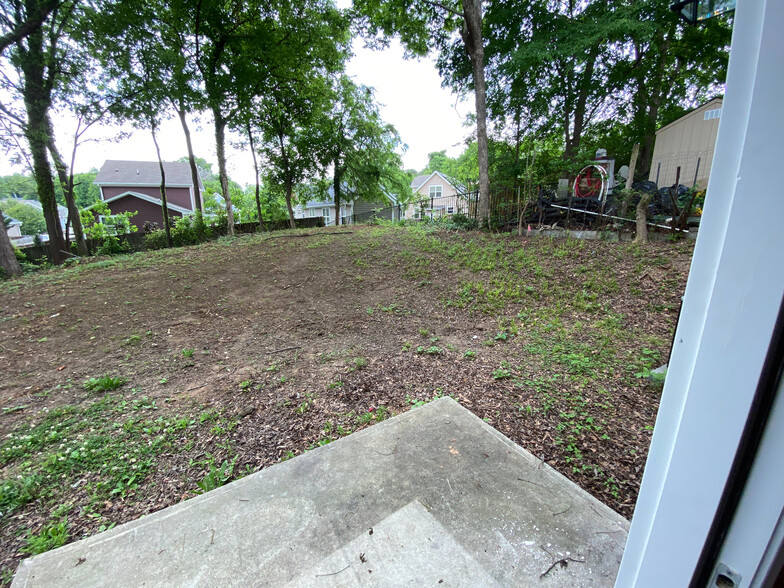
(132, 383)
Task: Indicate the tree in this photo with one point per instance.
(17, 29)
(427, 24)
(287, 118)
(8, 262)
(41, 58)
(360, 148)
(18, 186)
(553, 73)
(669, 67)
(33, 222)
(290, 113)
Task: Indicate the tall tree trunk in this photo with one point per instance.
(37, 98)
(288, 183)
(8, 262)
(288, 186)
(220, 148)
(191, 157)
(336, 189)
(256, 170)
(474, 44)
(42, 171)
(67, 182)
(164, 203)
(650, 102)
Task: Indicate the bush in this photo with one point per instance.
(155, 240)
(463, 222)
(111, 245)
(187, 230)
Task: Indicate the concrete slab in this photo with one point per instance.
(446, 497)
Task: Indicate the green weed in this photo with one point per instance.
(104, 383)
(50, 537)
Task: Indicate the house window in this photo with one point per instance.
(312, 212)
(711, 114)
(436, 191)
(450, 210)
(325, 212)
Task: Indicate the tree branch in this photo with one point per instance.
(443, 7)
(28, 26)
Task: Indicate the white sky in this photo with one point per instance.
(428, 118)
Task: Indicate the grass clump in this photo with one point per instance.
(104, 383)
(50, 537)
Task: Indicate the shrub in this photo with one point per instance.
(462, 222)
(111, 245)
(155, 240)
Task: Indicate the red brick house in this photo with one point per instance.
(128, 186)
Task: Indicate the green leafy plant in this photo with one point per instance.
(50, 537)
(501, 374)
(217, 476)
(187, 352)
(104, 383)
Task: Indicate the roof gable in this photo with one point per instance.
(416, 183)
(144, 173)
(712, 103)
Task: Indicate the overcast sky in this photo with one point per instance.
(428, 118)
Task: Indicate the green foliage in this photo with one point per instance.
(32, 218)
(104, 383)
(100, 224)
(155, 240)
(189, 230)
(216, 476)
(18, 186)
(111, 245)
(50, 536)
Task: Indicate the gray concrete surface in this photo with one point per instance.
(432, 497)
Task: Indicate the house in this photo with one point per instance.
(686, 144)
(14, 229)
(62, 213)
(351, 210)
(129, 186)
(436, 195)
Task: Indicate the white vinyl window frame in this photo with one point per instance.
(325, 212)
(436, 191)
(730, 306)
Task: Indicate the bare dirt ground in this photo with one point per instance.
(240, 353)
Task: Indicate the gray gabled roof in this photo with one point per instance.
(12, 222)
(143, 173)
(419, 180)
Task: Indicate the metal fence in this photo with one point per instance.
(690, 168)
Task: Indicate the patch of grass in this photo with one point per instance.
(432, 350)
(104, 383)
(216, 475)
(359, 363)
(49, 537)
(374, 414)
(188, 352)
(108, 444)
(501, 374)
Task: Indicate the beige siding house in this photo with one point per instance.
(436, 195)
(687, 143)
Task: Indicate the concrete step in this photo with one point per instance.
(432, 497)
